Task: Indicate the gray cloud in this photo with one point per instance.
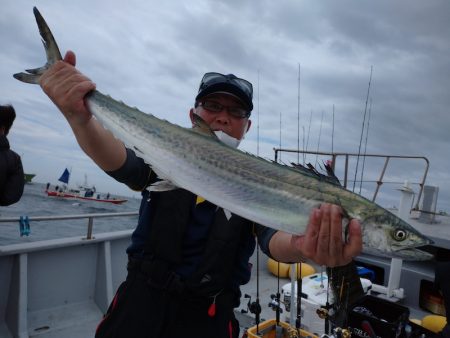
(152, 55)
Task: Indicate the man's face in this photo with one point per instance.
(233, 126)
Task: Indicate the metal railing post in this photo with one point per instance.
(90, 228)
(347, 156)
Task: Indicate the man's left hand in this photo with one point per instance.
(323, 241)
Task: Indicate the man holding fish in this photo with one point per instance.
(204, 203)
(188, 257)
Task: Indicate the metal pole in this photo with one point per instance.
(380, 181)
(346, 171)
(89, 228)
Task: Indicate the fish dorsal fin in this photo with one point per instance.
(201, 127)
(310, 170)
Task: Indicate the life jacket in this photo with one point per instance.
(169, 214)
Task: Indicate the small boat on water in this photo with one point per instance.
(83, 195)
(82, 192)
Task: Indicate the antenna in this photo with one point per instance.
(362, 129)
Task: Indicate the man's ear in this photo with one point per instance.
(249, 123)
(191, 115)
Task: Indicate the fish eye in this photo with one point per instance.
(399, 234)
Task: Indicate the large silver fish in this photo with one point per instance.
(267, 193)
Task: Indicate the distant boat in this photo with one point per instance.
(28, 177)
(83, 192)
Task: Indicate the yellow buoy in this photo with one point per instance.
(305, 270)
(273, 267)
(285, 268)
(434, 323)
(416, 321)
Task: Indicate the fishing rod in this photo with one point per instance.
(298, 116)
(257, 126)
(362, 129)
(318, 142)
(303, 143)
(365, 146)
(298, 321)
(275, 303)
(255, 307)
(280, 135)
(332, 134)
(309, 132)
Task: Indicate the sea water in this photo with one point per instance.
(35, 202)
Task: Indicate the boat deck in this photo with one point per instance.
(62, 287)
(87, 273)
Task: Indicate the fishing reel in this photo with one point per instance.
(326, 312)
(252, 307)
(275, 303)
(338, 333)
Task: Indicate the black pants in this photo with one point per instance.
(141, 311)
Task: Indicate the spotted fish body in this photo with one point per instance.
(265, 192)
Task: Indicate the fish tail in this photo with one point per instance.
(51, 50)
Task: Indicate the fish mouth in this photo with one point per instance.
(419, 253)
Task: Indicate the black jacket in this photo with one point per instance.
(11, 174)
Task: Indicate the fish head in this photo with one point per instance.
(385, 234)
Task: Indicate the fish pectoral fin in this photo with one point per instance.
(201, 127)
(51, 50)
(161, 186)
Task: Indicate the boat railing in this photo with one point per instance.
(90, 219)
(335, 155)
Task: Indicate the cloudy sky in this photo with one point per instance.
(152, 54)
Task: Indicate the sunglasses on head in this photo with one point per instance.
(212, 78)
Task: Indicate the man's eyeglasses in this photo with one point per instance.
(216, 107)
(212, 78)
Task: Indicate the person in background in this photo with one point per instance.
(12, 178)
(188, 257)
